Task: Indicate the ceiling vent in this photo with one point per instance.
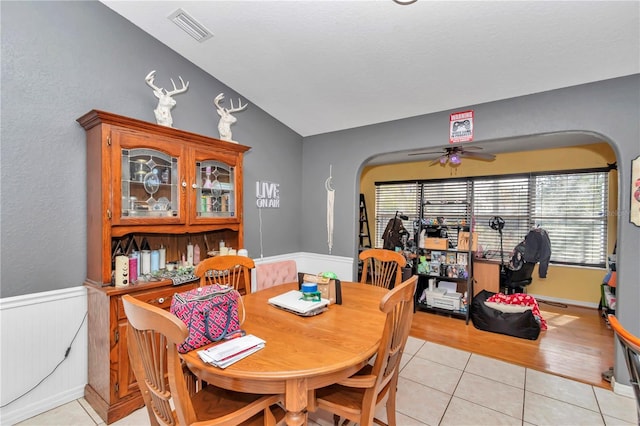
(190, 26)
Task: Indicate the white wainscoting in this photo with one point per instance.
(37, 329)
(312, 263)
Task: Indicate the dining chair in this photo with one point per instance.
(631, 350)
(229, 270)
(381, 267)
(152, 336)
(275, 273)
(355, 398)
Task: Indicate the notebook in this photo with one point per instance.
(292, 301)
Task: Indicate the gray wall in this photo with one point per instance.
(609, 108)
(62, 59)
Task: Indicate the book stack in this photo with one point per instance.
(225, 354)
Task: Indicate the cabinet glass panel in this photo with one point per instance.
(149, 184)
(216, 190)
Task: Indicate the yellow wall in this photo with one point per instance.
(562, 282)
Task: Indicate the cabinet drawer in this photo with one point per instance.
(157, 297)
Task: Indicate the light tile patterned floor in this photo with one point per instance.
(443, 386)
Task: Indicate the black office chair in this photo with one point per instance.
(515, 281)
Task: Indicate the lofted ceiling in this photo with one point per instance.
(322, 66)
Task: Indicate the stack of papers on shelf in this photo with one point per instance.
(225, 354)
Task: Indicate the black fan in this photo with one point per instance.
(454, 155)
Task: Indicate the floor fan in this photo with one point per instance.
(497, 224)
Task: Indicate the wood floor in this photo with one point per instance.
(577, 345)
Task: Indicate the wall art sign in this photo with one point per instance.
(635, 192)
(461, 126)
(267, 195)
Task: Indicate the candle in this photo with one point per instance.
(133, 267)
(155, 260)
(163, 257)
(145, 268)
(189, 254)
(136, 254)
(196, 254)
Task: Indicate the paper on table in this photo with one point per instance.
(225, 354)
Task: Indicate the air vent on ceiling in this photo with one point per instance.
(190, 26)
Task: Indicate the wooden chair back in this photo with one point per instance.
(381, 267)
(234, 271)
(356, 397)
(631, 350)
(152, 335)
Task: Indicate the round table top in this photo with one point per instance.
(335, 343)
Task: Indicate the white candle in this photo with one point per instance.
(145, 267)
(163, 257)
(189, 254)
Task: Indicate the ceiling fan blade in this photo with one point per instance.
(426, 153)
(479, 156)
(437, 160)
(470, 147)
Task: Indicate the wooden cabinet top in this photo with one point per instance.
(96, 117)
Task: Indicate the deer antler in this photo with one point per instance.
(176, 90)
(218, 99)
(151, 76)
(240, 106)
(149, 79)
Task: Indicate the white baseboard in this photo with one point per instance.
(620, 389)
(565, 301)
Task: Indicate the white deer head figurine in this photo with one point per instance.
(226, 119)
(165, 101)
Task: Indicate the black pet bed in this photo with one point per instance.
(521, 324)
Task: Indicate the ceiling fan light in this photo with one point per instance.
(443, 160)
(455, 159)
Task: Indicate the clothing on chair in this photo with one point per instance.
(537, 248)
(393, 233)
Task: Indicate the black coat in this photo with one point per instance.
(537, 248)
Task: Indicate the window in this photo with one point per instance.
(570, 206)
(396, 197)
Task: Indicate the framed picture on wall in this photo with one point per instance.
(634, 214)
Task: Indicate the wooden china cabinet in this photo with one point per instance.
(148, 187)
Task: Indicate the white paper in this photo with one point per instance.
(225, 354)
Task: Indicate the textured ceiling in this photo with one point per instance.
(322, 66)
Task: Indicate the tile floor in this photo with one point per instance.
(440, 385)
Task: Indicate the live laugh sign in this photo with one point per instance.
(267, 195)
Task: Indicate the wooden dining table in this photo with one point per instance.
(301, 353)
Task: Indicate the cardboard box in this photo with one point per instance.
(436, 243)
(463, 241)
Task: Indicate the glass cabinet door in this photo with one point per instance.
(215, 190)
(149, 184)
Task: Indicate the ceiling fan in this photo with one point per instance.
(454, 155)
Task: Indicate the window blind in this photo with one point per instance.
(573, 210)
(572, 207)
(396, 197)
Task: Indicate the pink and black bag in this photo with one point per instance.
(210, 313)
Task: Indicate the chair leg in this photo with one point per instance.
(269, 419)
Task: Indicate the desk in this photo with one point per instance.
(301, 353)
(486, 272)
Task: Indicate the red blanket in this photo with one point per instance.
(520, 299)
